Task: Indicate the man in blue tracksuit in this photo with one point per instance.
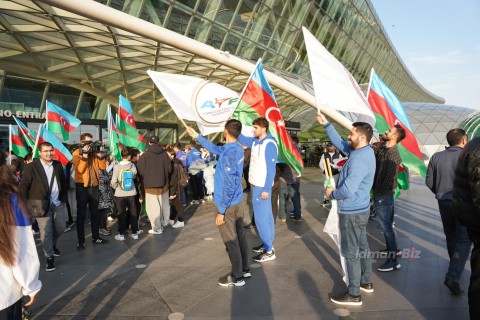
(353, 195)
(228, 195)
(263, 161)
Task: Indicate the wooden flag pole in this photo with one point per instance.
(329, 168)
(325, 166)
(183, 122)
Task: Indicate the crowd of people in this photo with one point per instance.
(163, 179)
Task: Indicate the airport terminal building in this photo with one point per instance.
(81, 55)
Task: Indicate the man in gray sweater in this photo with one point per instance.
(440, 176)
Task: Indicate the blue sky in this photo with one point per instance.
(439, 42)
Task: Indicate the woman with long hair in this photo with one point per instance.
(19, 264)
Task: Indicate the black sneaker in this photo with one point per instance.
(325, 202)
(259, 249)
(250, 226)
(100, 241)
(384, 252)
(367, 287)
(50, 265)
(247, 273)
(297, 219)
(265, 256)
(81, 246)
(230, 280)
(454, 287)
(347, 299)
(389, 266)
(56, 252)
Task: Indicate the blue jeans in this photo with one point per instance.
(384, 209)
(353, 233)
(297, 209)
(285, 190)
(458, 243)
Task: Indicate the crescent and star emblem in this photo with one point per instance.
(273, 115)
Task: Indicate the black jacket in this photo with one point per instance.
(155, 167)
(174, 186)
(466, 186)
(387, 162)
(34, 184)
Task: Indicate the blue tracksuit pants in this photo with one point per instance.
(262, 209)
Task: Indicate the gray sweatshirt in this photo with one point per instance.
(123, 165)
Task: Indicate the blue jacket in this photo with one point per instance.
(356, 176)
(192, 156)
(228, 189)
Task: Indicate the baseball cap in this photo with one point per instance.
(154, 139)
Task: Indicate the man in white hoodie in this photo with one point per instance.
(124, 174)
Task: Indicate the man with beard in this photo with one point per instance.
(353, 196)
(387, 160)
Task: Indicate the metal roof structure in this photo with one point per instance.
(106, 57)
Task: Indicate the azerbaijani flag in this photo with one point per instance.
(61, 152)
(28, 135)
(16, 144)
(388, 111)
(126, 125)
(114, 144)
(60, 121)
(258, 100)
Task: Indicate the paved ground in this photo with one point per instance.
(174, 275)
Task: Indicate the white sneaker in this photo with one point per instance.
(139, 231)
(134, 236)
(178, 224)
(120, 237)
(171, 222)
(155, 231)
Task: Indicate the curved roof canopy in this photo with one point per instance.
(40, 40)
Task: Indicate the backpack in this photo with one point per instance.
(183, 177)
(125, 180)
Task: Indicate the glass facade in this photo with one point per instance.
(84, 65)
(431, 122)
(471, 125)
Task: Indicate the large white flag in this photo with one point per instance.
(333, 229)
(209, 104)
(335, 88)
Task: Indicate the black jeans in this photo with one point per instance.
(122, 203)
(474, 288)
(87, 196)
(14, 312)
(196, 182)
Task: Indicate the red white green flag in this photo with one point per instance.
(16, 144)
(28, 135)
(258, 100)
(126, 126)
(388, 111)
(114, 144)
(60, 121)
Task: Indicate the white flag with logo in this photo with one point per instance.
(207, 103)
(335, 88)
